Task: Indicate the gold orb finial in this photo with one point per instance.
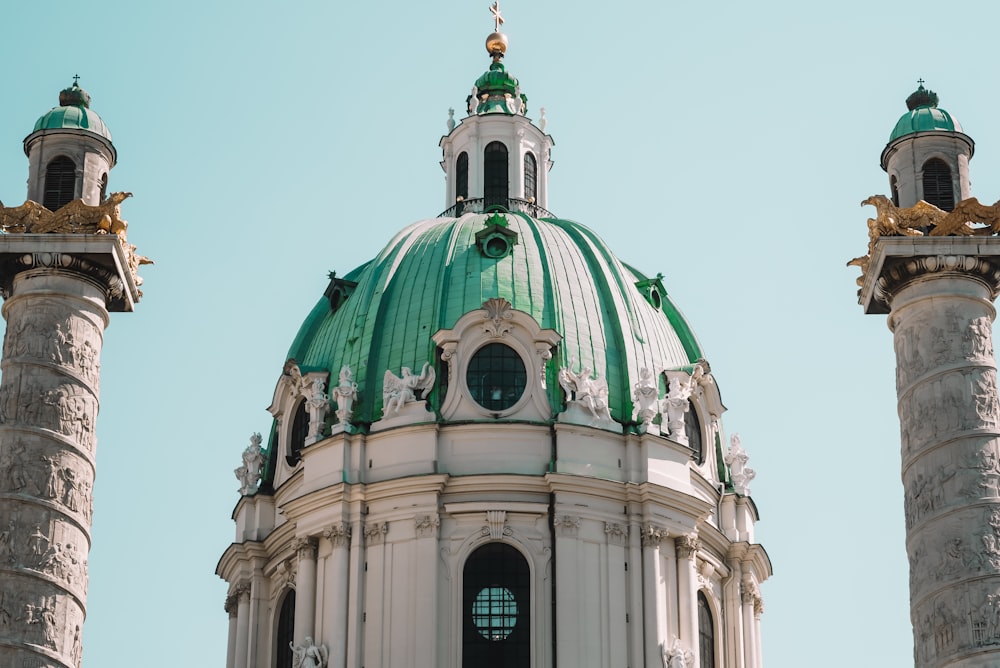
(496, 43)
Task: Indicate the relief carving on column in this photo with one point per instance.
(617, 534)
(60, 478)
(426, 526)
(231, 604)
(958, 400)
(567, 525)
(338, 534)
(653, 535)
(50, 549)
(39, 623)
(375, 532)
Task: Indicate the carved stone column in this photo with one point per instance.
(242, 593)
(654, 603)
(56, 310)
(337, 590)
(939, 292)
(305, 590)
(568, 600)
(687, 591)
(749, 595)
(232, 602)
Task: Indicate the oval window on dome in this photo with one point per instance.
(496, 377)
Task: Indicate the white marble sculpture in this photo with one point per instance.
(645, 398)
(309, 654)
(739, 472)
(676, 656)
(318, 403)
(676, 404)
(397, 392)
(473, 101)
(253, 463)
(583, 390)
(345, 394)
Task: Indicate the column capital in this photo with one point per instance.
(104, 259)
(687, 545)
(896, 261)
(653, 535)
(305, 547)
(567, 525)
(339, 534)
(426, 526)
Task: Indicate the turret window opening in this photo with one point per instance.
(285, 631)
(692, 429)
(60, 183)
(300, 429)
(104, 187)
(706, 633)
(496, 183)
(462, 176)
(530, 177)
(938, 188)
(894, 188)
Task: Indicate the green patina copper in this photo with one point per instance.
(433, 272)
(495, 89)
(923, 115)
(73, 113)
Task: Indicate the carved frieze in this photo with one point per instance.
(959, 400)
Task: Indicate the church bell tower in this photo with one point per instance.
(65, 263)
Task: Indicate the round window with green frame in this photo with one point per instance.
(496, 377)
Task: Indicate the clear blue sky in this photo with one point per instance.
(724, 144)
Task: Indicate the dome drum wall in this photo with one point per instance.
(905, 157)
(93, 157)
(517, 133)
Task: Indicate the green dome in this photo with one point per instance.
(924, 116)
(382, 315)
(73, 113)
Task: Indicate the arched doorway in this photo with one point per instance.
(496, 609)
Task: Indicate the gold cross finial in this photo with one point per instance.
(497, 19)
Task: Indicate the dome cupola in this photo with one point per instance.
(927, 157)
(69, 152)
(496, 157)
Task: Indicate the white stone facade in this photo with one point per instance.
(619, 533)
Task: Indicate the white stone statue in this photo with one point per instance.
(516, 103)
(318, 404)
(675, 405)
(309, 654)
(739, 472)
(676, 656)
(584, 390)
(345, 394)
(397, 392)
(253, 463)
(473, 101)
(645, 397)
(542, 121)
